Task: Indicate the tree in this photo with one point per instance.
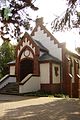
(66, 21)
(7, 54)
(14, 14)
(72, 2)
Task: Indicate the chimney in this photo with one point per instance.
(39, 21)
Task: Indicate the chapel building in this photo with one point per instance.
(42, 63)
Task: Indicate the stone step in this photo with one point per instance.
(10, 88)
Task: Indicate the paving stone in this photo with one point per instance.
(38, 108)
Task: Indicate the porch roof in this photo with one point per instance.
(12, 62)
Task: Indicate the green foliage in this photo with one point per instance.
(45, 94)
(39, 94)
(15, 15)
(7, 54)
(60, 95)
(6, 12)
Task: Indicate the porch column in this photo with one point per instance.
(36, 66)
(17, 70)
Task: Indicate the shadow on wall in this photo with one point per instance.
(64, 109)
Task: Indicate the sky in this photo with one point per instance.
(49, 9)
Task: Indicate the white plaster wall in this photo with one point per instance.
(49, 44)
(26, 42)
(56, 79)
(12, 70)
(33, 84)
(44, 73)
(30, 55)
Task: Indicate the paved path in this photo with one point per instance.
(38, 108)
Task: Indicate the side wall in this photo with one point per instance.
(44, 73)
(33, 84)
(50, 77)
(72, 72)
(12, 70)
(53, 48)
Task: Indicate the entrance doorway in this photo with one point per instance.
(26, 67)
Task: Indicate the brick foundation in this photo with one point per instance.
(53, 88)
